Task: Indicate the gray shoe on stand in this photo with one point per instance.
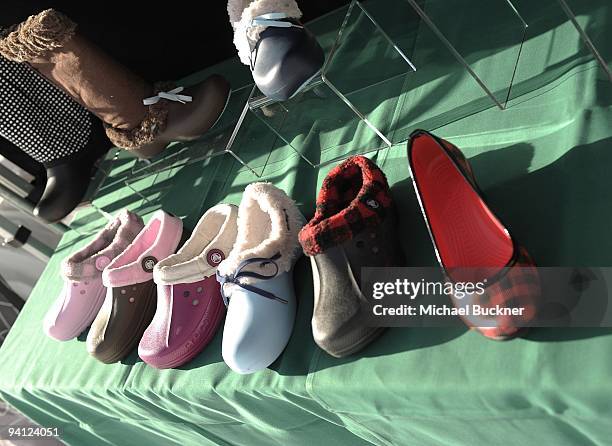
(282, 54)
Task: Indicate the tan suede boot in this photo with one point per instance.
(138, 116)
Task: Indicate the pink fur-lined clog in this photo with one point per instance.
(130, 299)
(83, 291)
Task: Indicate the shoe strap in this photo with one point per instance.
(235, 277)
(273, 19)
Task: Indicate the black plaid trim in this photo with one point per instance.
(355, 196)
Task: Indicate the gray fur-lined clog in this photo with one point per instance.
(354, 226)
(283, 55)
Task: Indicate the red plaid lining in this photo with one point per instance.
(459, 157)
(355, 196)
(518, 287)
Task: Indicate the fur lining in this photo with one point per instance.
(241, 12)
(109, 243)
(235, 8)
(36, 36)
(268, 223)
(158, 239)
(154, 122)
(354, 196)
(215, 233)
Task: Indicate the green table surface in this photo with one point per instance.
(544, 164)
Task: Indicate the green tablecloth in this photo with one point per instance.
(544, 164)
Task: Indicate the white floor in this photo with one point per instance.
(20, 271)
(19, 268)
(10, 417)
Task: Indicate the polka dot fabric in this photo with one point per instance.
(38, 117)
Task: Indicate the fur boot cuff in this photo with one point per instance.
(241, 12)
(268, 224)
(89, 262)
(355, 196)
(39, 34)
(154, 122)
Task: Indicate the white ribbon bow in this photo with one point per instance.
(171, 95)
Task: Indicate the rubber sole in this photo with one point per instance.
(204, 339)
(357, 346)
(117, 354)
(344, 349)
(518, 334)
(90, 316)
(86, 320)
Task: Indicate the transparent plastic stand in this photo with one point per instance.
(395, 66)
(235, 134)
(333, 116)
(89, 217)
(467, 52)
(586, 39)
(100, 180)
(497, 19)
(219, 140)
